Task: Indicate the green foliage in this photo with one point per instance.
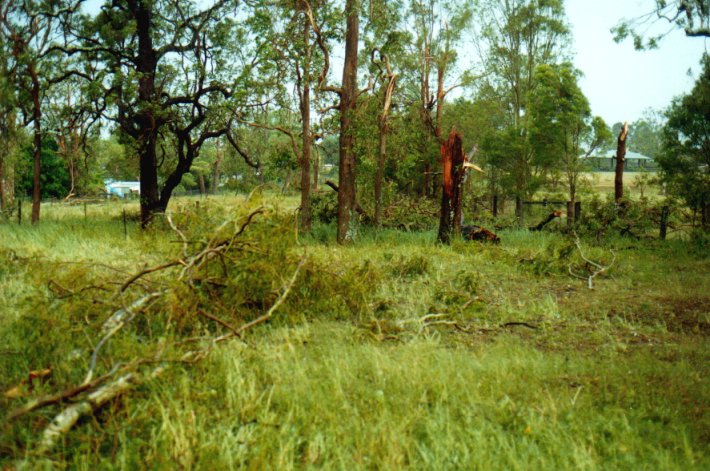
(325, 206)
(685, 162)
(54, 178)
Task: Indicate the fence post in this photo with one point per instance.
(19, 211)
(664, 221)
(577, 211)
(495, 205)
(125, 229)
(570, 213)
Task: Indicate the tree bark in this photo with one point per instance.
(216, 169)
(620, 155)
(306, 207)
(316, 167)
(348, 96)
(37, 118)
(203, 189)
(148, 136)
(452, 157)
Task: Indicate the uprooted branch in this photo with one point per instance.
(85, 398)
(597, 268)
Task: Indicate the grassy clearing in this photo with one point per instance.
(391, 353)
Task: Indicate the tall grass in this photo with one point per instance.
(391, 353)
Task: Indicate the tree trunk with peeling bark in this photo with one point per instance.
(620, 159)
(348, 97)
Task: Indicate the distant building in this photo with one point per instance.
(122, 189)
(633, 162)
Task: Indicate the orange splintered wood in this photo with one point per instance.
(448, 177)
(452, 158)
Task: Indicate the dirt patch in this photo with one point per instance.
(684, 315)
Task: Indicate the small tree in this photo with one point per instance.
(562, 128)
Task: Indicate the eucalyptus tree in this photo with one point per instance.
(29, 28)
(347, 94)
(299, 33)
(562, 128)
(516, 36)
(172, 76)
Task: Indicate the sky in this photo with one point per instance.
(620, 82)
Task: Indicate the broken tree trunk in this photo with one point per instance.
(548, 219)
(620, 159)
(453, 159)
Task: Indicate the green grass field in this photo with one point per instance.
(391, 353)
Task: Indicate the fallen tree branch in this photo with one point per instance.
(50, 399)
(594, 273)
(218, 321)
(286, 290)
(113, 324)
(65, 420)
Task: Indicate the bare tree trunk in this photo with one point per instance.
(346, 195)
(37, 118)
(146, 65)
(620, 155)
(216, 169)
(519, 213)
(316, 167)
(203, 189)
(306, 209)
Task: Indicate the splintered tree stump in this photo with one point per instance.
(452, 157)
(620, 157)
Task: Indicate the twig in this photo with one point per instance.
(523, 324)
(272, 309)
(66, 419)
(178, 232)
(43, 401)
(218, 320)
(600, 268)
(142, 273)
(113, 324)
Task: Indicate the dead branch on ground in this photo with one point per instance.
(594, 272)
